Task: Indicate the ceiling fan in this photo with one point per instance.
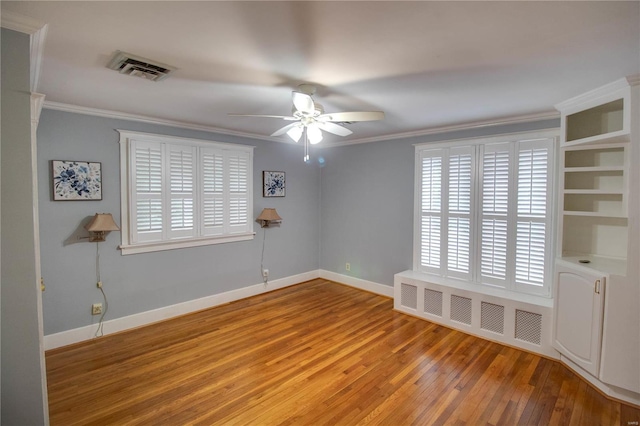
(309, 119)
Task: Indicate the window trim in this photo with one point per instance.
(127, 246)
(474, 279)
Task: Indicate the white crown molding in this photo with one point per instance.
(451, 128)
(634, 80)
(17, 22)
(58, 106)
(37, 100)
(37, 53)
(38, 32)
(599, 92)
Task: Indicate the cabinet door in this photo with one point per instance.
(577, 322)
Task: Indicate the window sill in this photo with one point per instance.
(480, 289)
(127, 249)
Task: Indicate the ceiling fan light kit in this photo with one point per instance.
(309, 119)
(296, 131)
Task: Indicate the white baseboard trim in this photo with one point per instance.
(608, 390)
(370, 286)
(88, 332)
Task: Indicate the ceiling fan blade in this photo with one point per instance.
(352, 116)
(282, 117)
(303, 103)
(334, 128)
(284, 129)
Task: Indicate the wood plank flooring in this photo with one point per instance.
(318, 353)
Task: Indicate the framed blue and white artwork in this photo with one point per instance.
(273, 184)
(76, 180)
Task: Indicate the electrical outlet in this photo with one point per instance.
(96, 309)
(265, 273)
(348, 266)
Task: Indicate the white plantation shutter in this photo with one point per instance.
(533, 224)
(532, 181)
(530, 250)
(495, 179)
(430, 247)
(212, 164)
(459, 211)
(146, 171)
(494, 249)
(181, 165)
(496, 163)
(431, 209)
(458, 245)
(238, 164)
(483, 212)
(182, 192)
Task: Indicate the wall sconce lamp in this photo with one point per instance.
(100, 225)
(267, 216)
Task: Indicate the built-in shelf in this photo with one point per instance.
(594, 234)
(592, 191)
(600, 158)
(596, 202)
(603, 180)
(592, 214)
(594, 199)
(596, 320)
(600, 121)
(594, 169)
(600, 116)
(608, 265)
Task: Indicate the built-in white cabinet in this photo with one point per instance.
(577, 325)
(598, 247)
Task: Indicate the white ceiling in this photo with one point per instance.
(426, 64)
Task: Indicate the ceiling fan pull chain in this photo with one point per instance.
(306, 146)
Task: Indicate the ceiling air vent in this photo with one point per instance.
(126, 63)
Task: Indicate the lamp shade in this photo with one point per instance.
(268, 215)
(102, 222)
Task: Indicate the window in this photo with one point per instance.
(180, 192)
(483, 211)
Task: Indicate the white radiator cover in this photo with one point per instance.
(519, 323)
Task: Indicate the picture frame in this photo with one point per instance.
(273, 184)
(76, 180)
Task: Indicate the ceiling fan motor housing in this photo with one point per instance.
(318, 110)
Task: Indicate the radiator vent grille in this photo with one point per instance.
(461, 309)
(433, 302)
(409, 296)
(137, 66)
(528, 326)
(492, 317)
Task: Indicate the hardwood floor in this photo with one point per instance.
(313, 354)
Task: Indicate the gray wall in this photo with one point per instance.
(356, 207)
(21, 387)
(367, 203)
(142, 282)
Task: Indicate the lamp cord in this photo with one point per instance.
(97, 262)
(100, 329)
(264, 238)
